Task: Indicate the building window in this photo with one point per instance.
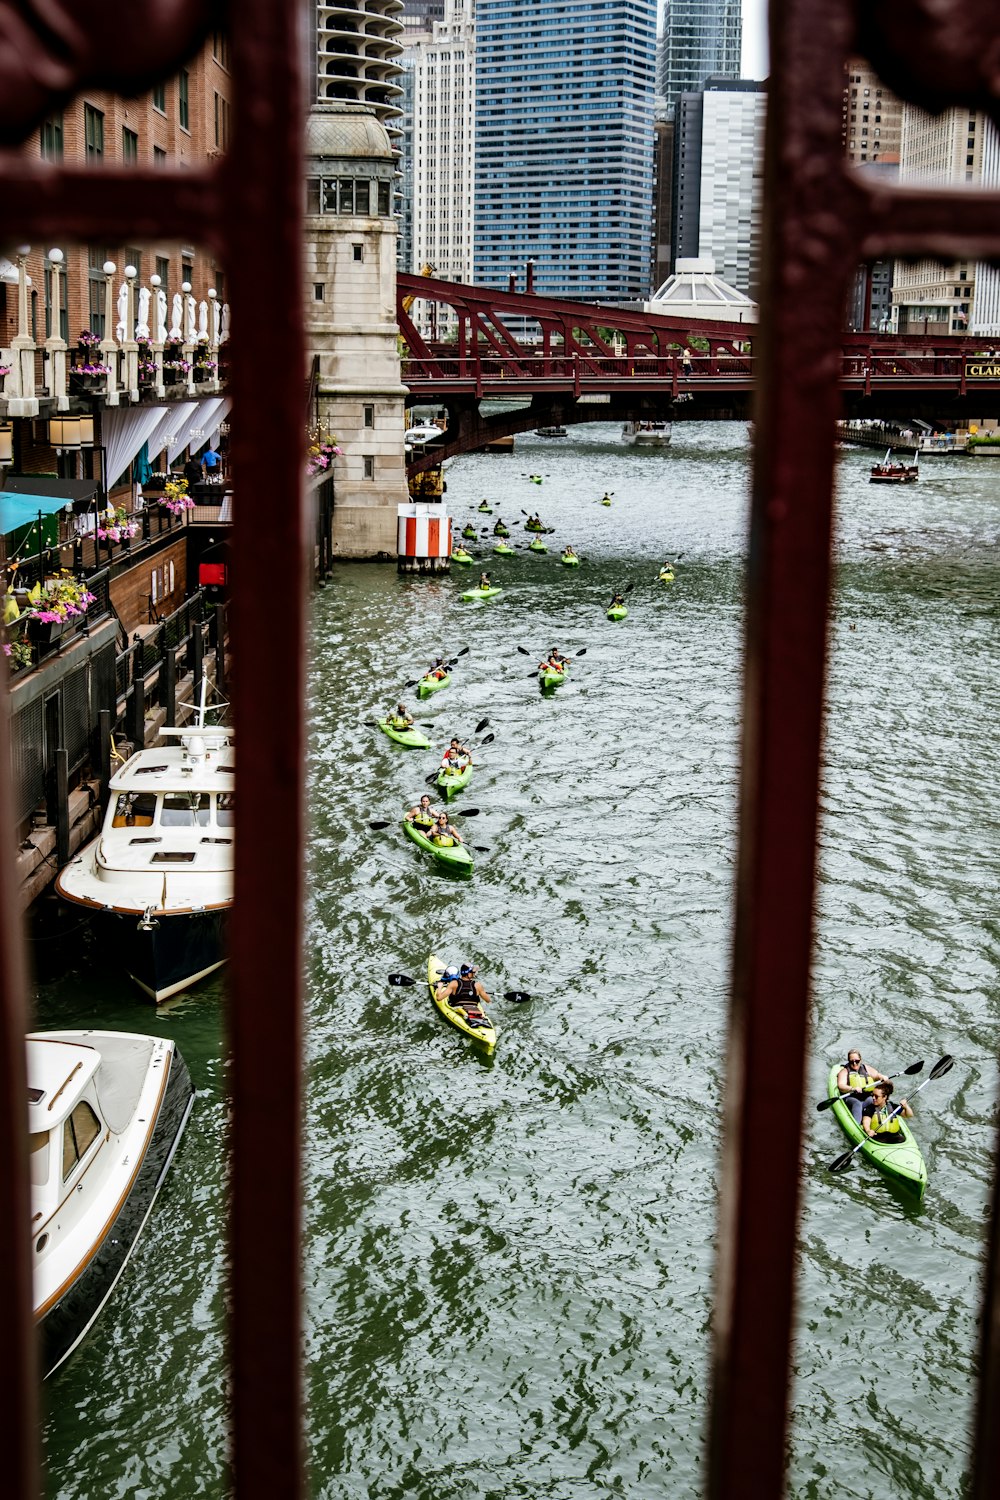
(318, 291)
(369, 416)
(163, 271)
(369, 463)
(183, 111)
(159, 157)
(93, 132)
(220, 49)
(221, 122)
(359, 252)
(384, 205)
(160, 98)
(51, 135)
(95, 289)
(133, 257)
(187, 271)
(130, 145)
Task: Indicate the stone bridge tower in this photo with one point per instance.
(350, 291)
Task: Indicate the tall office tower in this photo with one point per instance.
(686, 197)
(358, 45)
(564, 144)
(985, 317)
(420, 15)
(701, 39)
(662, 247)
(872, 118)
(942, 150)
(439, 129)
(733, 113)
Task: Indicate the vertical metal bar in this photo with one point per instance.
(263, 220)
(62, 807)
(197, 657)
(137, 702)
(807, 246)
(169, 694)
(220, 647)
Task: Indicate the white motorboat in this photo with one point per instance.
(159, 877)
(647, 434)
(106, 1110)
(422, 433)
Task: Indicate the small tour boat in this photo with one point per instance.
(422, 433)
(158, 880)
(889, 472)
(470, 1019)
(554, 432)
(106, 1110)
(647, 434)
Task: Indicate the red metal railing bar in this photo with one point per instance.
(67, 204)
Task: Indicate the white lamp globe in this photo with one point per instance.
(109, 268)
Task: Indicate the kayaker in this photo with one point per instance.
(402, 719)
(439, 669)
(444, 833)
(465, 992)
(557, 658)
(856, 1080)
(568, 552)
(500, 529)
(618, 600)
(455, 757)
(484, 581)
(606, 498)
(876, 1120)
(424, 815)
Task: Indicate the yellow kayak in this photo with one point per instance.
(483, 1033)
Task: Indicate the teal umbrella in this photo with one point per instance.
(143, 467)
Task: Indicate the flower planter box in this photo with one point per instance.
(47, 632)
(79, 382)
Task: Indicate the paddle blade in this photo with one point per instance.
(524, 651)
(464, 652)
(842, 1162)
(414, 682)
(489, 738)
(481, 848)
(629, 587)
(518, 996)
(467, 812)
(913, 1068)
(431, 779)
(481, 725)
(825, 1104)
(941, 1067)
(401, 981)
(533, 672)
(583, 652)
(377, 826)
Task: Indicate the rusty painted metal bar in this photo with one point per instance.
(63, 204)
(262, 205)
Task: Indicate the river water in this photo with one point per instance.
(509, 1260)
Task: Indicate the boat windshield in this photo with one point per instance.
(185, 810)
(134, 810)
(225, 809)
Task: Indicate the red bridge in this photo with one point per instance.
(571, 362)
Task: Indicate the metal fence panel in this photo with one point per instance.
(27, 759)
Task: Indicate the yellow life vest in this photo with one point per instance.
(860, 1081)
(882, 1125)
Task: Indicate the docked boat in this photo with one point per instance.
(432, 684)
(552, 432)
(453, 857)
(901, 1160)
(106, 1110)
(158, 880)
(490, 593)
(471, 1020)
(452, 782)
(421, 434)
(890, 472)
(571, 561)
(410, 738)
(647, 434)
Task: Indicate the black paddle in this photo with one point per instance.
(376, 826)
(487, 739)
(483, 724)
(907, 1072)
(403, 981)
(941, 1067)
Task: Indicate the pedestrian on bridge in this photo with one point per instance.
(686, 360)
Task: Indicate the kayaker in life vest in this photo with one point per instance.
(444, 833)
(568, 552)
(500, 529)
(856, 1080)
(402, 719)
(484, 581)
(465, 992)
(880, 1122)
(618, 599)
(439, 669)
(455, 757)
(424, 815)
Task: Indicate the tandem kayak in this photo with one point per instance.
(431, 684)
(481, 1030)
(454, 857)
(617, 612)
(899, 1160)
(569, 562)
(537, 546)
(533, 526)
(550, 678)
(489, 593)
(461, 556)
(502, 550)
(452, 782)
(411, 738)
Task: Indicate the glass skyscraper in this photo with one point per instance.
(701, 39)
(564, 145)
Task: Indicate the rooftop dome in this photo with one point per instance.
(337, 129)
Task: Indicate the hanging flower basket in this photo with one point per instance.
(56, 608)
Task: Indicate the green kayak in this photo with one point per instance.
(454, 857)
(502, 550)
(501, 531)
(486, 510)
(461, 556)
(569, 562)
(470, 533)
(551, 678)
(537, 547)
(899, 1160)
(452, 782)
(617, 612)
(533, 526)
(431, 684)
(411, 738)
(490, 593)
